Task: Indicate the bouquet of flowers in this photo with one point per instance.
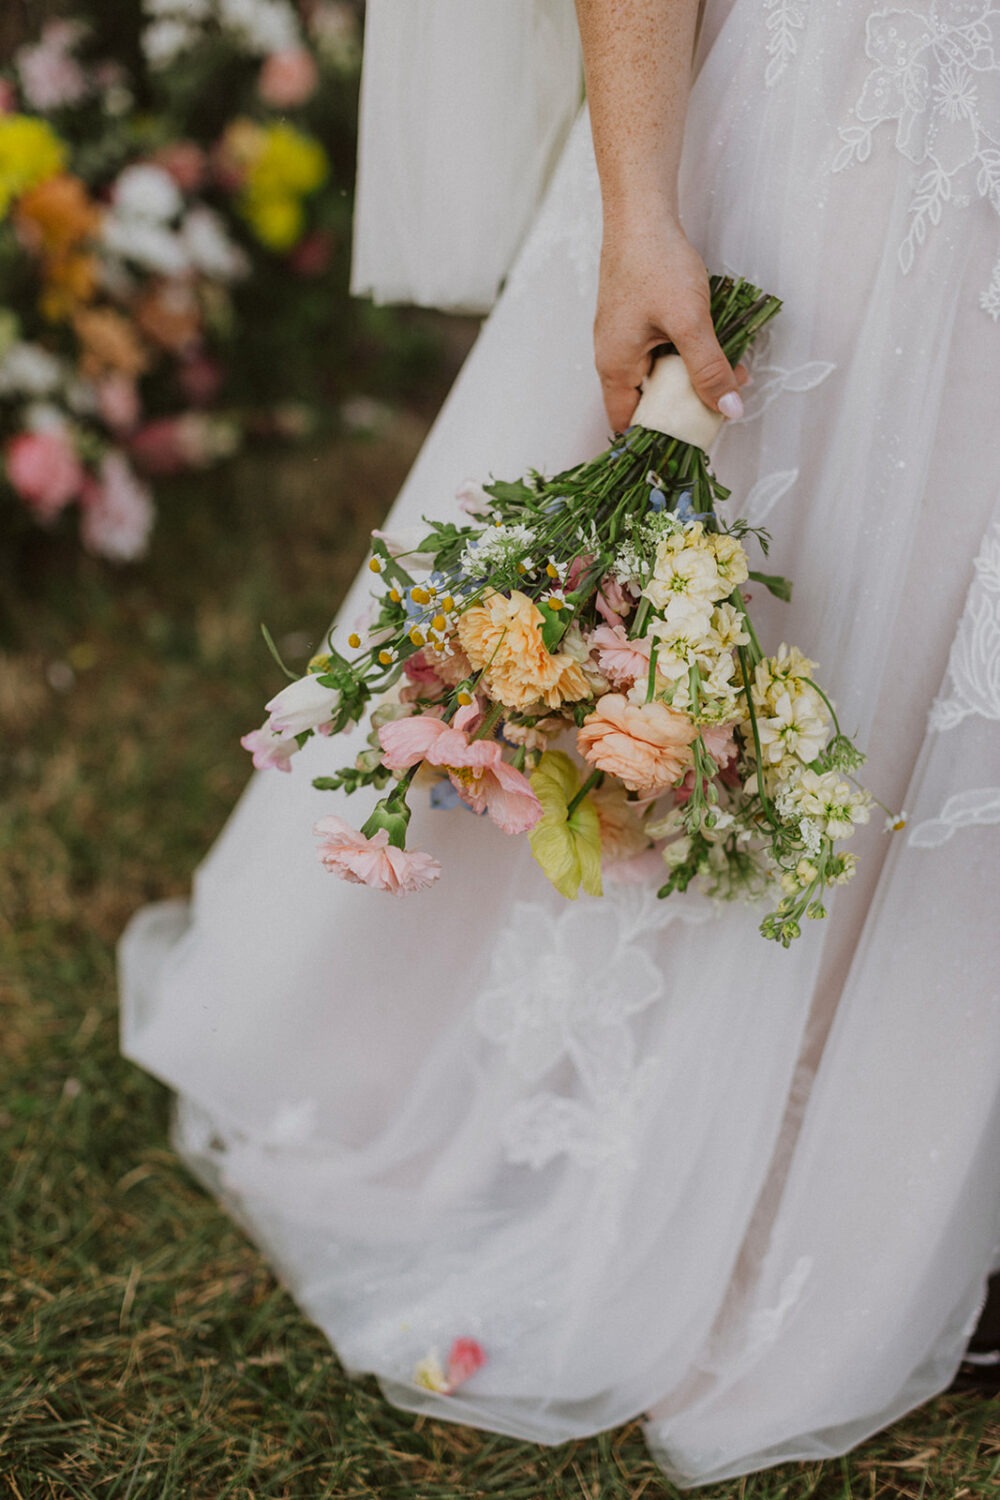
(604, 604)
(129, 241)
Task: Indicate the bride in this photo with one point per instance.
(651, 1165)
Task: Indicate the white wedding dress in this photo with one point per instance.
(656, 1166)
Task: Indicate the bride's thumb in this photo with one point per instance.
(710, 372)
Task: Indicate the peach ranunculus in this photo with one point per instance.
(646, 745)
(476, 768)
(503, 638)
(373, 861)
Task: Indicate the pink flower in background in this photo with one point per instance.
(117, 511)
(186, 163)
(374, 862)
(622, 661)
(200, 378)
(311, 256)
(50, 77)
(465, 1357)
(270, 751)
(477, 769)
(171, 444)
(472, 498)
(8, 97)
(288, 78)
(118, 402)
(44, 470)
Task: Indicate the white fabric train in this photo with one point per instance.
(655, 1165)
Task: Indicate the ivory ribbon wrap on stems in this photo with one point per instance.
(670, 404)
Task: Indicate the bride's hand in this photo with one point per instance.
(654, 290)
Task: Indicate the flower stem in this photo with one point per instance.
(593, 780)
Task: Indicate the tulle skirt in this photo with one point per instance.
(656, 1166)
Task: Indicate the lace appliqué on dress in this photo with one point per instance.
(785, 20)
(564, 990)
(937, 77)
(974, 663)
(974, 673)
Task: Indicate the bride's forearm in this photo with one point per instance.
(637, 59)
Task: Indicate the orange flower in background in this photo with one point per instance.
(646, 745)
(503, 638)
(57, 215)
(55, 220)
(108, 343)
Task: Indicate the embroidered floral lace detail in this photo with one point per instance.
(979, 806)
(937, 78)
(564, 991)
(785, 19)
(974, 663)
(771, 380)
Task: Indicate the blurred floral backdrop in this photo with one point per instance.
(175, 199)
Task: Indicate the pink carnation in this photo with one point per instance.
(477, 769)
(373, 861)
(117, 512)
(288, 78)
(44, 470)
(622, 661)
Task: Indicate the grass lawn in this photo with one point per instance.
(145, 1349)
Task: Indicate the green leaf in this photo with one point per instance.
(780, 587)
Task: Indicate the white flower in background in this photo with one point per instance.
(29, 370)
(152, 246)
(209, 248)
(145, 191)
(333, 26)
(43, 416)
(81, 396)
(165, 41)
(262, 26)
(192, 10)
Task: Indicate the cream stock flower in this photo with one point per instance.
(795, 727)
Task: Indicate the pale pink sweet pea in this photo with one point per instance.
(720, 743)
(288, 78)
(270, 750)
(473, 499)
(374, 862)
(44, 470)
(118, 511)
(612, 600)
(622, 661)
(477, 769)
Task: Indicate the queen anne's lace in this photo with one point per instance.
(936, 76)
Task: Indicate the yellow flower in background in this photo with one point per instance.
(276, 221)
(286, 163)
(282, 166)
(30, 153)
(566, 844)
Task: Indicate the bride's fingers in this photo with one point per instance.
(710, 371)
(621, 394)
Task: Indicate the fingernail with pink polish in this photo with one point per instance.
(731, 406)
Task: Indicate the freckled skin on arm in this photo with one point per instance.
(653, 285)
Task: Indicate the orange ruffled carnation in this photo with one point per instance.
(503, 638)
(646, 745)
